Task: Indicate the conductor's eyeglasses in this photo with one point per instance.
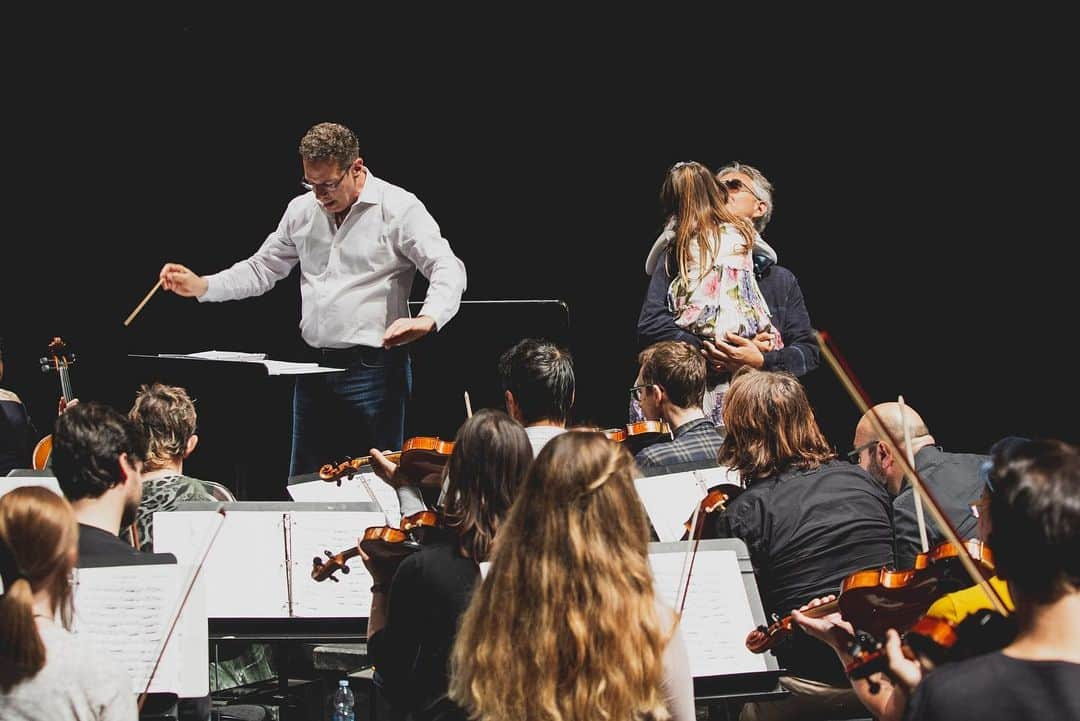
(324, 187)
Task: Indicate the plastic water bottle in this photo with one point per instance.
(343, 702)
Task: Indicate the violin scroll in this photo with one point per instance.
(715, 501)
(334, 472)
(420, 457)
(322, 570)
(384, 543)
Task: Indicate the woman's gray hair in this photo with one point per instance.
(763, 189)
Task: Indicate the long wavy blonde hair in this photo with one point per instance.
(565, 626)
(698, 204)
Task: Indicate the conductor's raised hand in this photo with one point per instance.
(406, 330)
(182, 281)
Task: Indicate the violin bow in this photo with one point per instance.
(861, 399)
(180, 606)
(363, 479)
(683, 589)
(919, 517)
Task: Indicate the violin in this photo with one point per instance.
(937, 641)
(715, 500)
(639, 434)
(58, 358)
(418, 458)
(383, 542)
(875, 600)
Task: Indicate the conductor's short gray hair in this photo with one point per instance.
(763, 189)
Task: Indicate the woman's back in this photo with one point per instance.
(430, 591)
(77, 683)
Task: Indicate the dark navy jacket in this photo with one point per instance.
(787, 309)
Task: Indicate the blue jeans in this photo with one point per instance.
(339, 415)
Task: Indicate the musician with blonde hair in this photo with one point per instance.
(566, 624)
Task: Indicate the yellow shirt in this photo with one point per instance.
(955, 607)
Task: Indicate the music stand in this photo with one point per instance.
(735, 688)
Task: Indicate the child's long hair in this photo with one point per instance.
(38, 545)
(692, 197)
(565, 625)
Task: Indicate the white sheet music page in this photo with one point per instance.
(352, 490)
(126, 612)
(228, 355)
(311, 533)
(716, 617)
(669, 501)
(10, 483)
(245, 571)
(715, 476)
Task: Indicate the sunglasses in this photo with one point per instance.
(854, 453)
(734, 185)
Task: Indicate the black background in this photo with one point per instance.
(921, 165)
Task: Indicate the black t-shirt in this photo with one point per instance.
(806, 532)
(954, 480)
(994, 686)
(430, 591)
(96, 543)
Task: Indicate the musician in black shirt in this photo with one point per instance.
(808, 520)
(1035, 534)
(98, 457)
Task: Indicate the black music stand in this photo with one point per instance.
(730, 691)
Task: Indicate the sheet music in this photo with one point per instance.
(716, 617)
(310, 534)
(287, 368)
(715, 476)
(9, 483)
(245, 571)
(125, 611)
(352, 490)
(225, 355)
(670, 500)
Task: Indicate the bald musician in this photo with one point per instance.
(953, 478)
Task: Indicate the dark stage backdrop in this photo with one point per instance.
(914, 208)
